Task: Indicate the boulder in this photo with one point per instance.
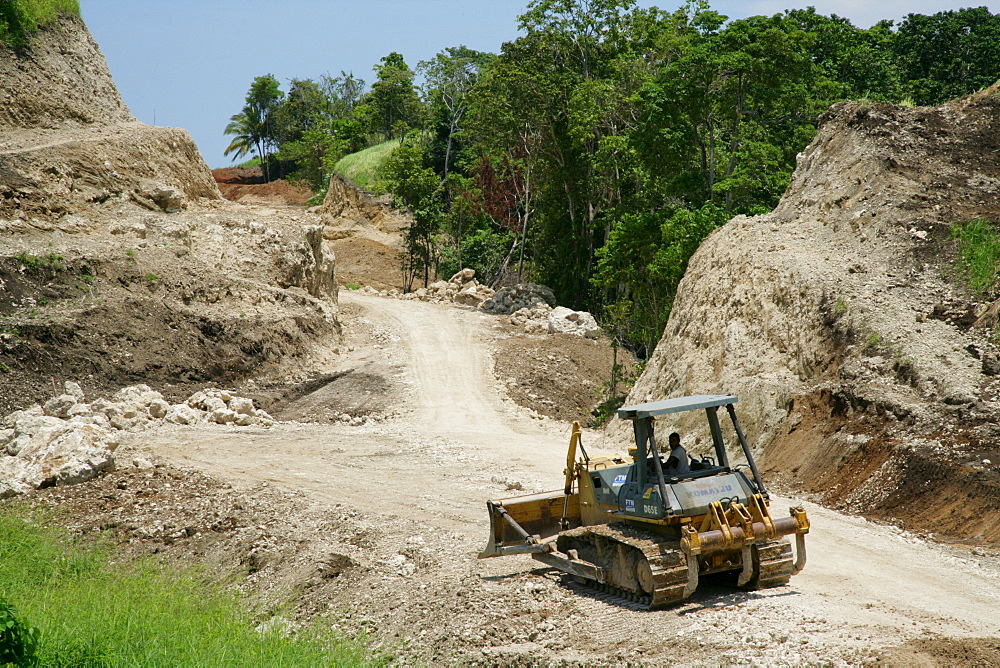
(567, 321)
(209, 400)
(242, 406)
(243, 420)
(158, 409)
(474, 295)
(222, 416)
(31, 430)
(9, 420)
(523, 295)
(182, 414)
(167, 198)
(62, 456)
(141, 395)
(74, 390)
(59, 406)
(463, 276)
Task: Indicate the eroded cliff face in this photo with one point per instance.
(61, 81)
(67, 140)
(865, 370)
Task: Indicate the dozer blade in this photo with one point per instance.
(524, 524)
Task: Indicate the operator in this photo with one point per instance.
(678, 462)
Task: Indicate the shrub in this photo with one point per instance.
(18, 641)
(20, 18)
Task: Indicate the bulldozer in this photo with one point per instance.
(650, 530)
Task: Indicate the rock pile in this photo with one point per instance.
(523, 295)
(541, 319)
(67, 441)
(462, 288)
(530, 305)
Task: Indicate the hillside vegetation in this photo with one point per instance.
(20, 18)
(363, 168)
(598, 149)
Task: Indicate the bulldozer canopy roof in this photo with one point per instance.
(675, 405)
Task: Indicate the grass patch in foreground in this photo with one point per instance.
(979, 253)
(90, 613)
(363, 168)
(20, 18)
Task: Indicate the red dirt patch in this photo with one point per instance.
(247, 185)
(367, 262)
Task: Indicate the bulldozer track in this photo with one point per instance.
(774, 564)
(639, 566)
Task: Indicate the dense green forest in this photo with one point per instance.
(598, 149)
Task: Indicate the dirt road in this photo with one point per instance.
(415, 485)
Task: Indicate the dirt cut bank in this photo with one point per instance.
(119, 261)
(843, 324)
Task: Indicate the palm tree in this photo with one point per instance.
(249, 135)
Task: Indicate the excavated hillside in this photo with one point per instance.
(119, 260)
(866, 371)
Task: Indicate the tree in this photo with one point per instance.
(247, 129)
(560, 98)
(416, 186)
(642, 264)
(949, 54)
(302, 129)
(393, 98)
(858, 63)
(450, 75)
(724, 121)
(254, 128)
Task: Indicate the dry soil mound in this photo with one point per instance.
(841, 322)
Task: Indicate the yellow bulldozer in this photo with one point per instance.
(649, 530)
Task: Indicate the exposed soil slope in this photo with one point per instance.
(119, 261)
(841, 322)
(69, 142)
(247, 185)
(365, 233)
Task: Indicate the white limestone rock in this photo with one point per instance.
(59, 406)
(158, 409)
(74, 390)
(183, 414)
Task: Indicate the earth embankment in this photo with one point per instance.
(69, 142)
(844, 325)
(119, 261)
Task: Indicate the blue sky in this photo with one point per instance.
(189, 63)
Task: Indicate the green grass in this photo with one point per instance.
(90, 613)
(252, 162)
(362, 168)
(20, 18)
(978, 253)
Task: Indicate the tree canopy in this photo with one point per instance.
(597, 150)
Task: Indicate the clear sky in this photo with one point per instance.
(189, 63)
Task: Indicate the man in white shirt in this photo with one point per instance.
(677, 462)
